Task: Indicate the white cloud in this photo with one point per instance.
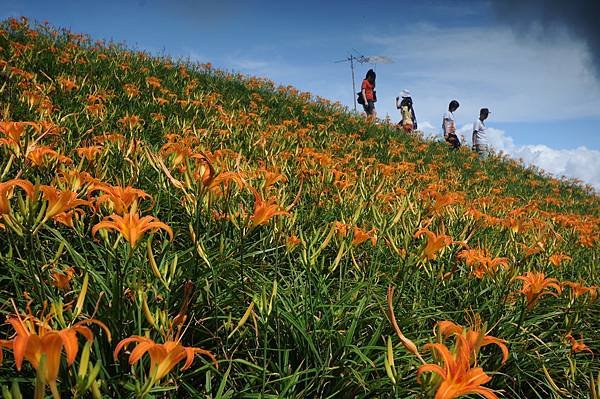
(580, 163)
(193, 56)
(250, 65)
(428, 129)
(518, 78)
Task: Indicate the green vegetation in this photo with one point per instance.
(174, 206)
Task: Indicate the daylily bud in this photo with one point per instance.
(388, 362)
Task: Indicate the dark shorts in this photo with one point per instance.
(453, 140)
(369, 107)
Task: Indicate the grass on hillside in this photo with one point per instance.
(172, 230)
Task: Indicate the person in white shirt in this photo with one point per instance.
(480, 143)
(449, 125)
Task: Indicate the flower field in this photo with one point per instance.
(172, 230)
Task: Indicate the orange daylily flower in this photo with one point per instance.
(158, 117)
(59, 201)
(272, 177)
(36, 338)
(481, 264)
(153, 81)
(73, 179)
(535, 285)
(516, 225)
(97, 98)
(13, 131)
(435, 242)
(578, 290)
(66, 218)
(131, 90)
(205, 171)
(534, 249)
(578, 346)
(292, 242)
(4, 343)
(96, 110)
(131, 121)
(341, 229)
(475, 338)
(264, 211)
(63, 279)
(587, 239)
(109, 137)
(67, 84)
(163, 357)
(21, 73)
(122, 199)
(131, 226)
(6, 191)
(180, 150)
(161, 101)
(342, 181)
(557, 259)
(458, 377)
(441, 201)
(361, 236)
(220, 183)
(90, 153)
(39, 155)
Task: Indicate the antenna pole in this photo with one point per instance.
(353, 84)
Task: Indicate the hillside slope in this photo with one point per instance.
(182, 205)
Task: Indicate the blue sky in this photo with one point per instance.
(541, 88)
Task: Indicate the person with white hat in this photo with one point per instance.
(408, 119)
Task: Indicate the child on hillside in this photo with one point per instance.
(408, 120)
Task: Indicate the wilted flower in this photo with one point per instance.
(578, 346)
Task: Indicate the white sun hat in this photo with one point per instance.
(405, 93)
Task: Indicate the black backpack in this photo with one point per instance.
(360, 99)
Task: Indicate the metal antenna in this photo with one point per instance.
(361, 59)
(352, 58)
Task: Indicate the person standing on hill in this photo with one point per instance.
(449, 125)
(368, 94)
(480, 143)
(408, 119)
